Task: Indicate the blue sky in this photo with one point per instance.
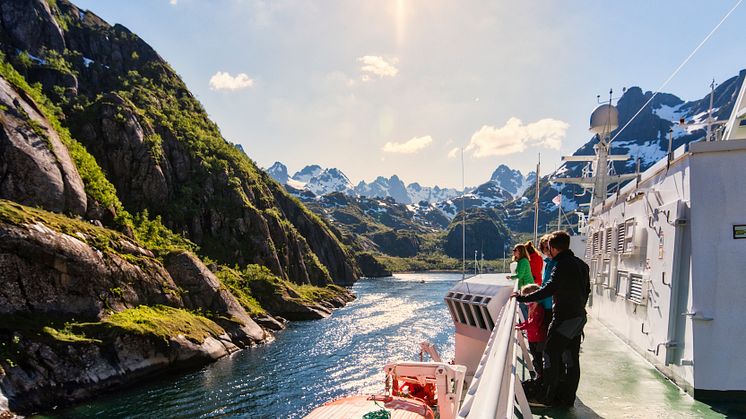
(395, 86)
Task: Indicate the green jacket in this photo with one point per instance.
(523, 274)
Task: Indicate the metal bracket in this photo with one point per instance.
(642, 329)
(663, 279)
(665, 344)
(695, 315)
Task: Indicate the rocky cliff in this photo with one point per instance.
(97, 127)
(159, 149)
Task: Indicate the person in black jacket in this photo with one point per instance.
(569, 286)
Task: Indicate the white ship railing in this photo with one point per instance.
(496, 390)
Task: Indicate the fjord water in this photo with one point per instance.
(307, 364)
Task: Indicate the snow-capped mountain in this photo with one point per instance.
(510, 180)
(305, 174)
(328, 181)
(430, 194)
(486, 195)
(278, 172)
(381, 188)
(646, 138)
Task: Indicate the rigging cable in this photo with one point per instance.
(709, 35)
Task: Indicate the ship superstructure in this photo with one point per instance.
(667, 254)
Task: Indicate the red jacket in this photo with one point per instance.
(534, 326)
(537, 263)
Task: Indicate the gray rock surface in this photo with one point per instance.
(35, 167)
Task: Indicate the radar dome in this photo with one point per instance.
(604, 119)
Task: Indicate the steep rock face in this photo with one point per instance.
(163, 154)
(83, 308)
(35, 167)
(484, 232)
(202, 291)
(30, 25)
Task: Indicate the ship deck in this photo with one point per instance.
(616, 382)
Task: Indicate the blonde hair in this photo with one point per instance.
(530, 288)
(522, 252)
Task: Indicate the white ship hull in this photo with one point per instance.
(667, 268)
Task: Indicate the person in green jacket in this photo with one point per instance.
(522, 272)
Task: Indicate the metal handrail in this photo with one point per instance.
(495, 388)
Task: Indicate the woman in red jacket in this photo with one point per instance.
(536, 262)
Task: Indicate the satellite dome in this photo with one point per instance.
(604, 119)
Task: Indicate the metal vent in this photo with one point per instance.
(596, 242)
(607, 247)
(636, 289)
(620, 237)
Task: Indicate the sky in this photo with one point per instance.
(383, 87)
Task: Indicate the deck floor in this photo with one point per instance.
(616, 382)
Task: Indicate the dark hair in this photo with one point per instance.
(560, 240)
(522, 252)
(530, 248)
(544, 242)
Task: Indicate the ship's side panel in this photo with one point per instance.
(718, 301)
(640, 267)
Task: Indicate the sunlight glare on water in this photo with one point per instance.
(308, 364)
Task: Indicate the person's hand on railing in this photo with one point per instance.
(509, 276)
(515, 294)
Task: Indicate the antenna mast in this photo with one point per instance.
(536, 201)
(463, 219)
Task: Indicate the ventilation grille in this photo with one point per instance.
(635, 289)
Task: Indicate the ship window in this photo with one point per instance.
(636, 289)
(622, 279)
(469, 316)
(618, 280)
(459, 312)
(458, 296)
(490, 323)
(477, 299)
(487, 300)
(742, 123)
(452, 310)
(467, 297)
(478, 316)
(605, 270)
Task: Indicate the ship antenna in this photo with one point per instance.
(709, 111)
(463, 223)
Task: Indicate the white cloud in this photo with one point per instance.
(375, 65)
(173, 2)
(410, 147)
(453, 153)
(224, 81)
(515, 137)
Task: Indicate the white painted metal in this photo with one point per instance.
(734, 130)
(448, 380)
(674, 232)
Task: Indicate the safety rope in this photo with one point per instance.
(381, 413)
(665, 83)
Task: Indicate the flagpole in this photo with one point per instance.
(559, 209)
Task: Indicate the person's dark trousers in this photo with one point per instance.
(553, 366)
(537, 357)
(571, 358)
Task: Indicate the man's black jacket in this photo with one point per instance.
(569, 286)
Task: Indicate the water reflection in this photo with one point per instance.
(308, 364)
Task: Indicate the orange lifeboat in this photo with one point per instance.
(358, 406)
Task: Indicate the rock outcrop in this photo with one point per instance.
(36, 168)
(160, 150)
(84, 309)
